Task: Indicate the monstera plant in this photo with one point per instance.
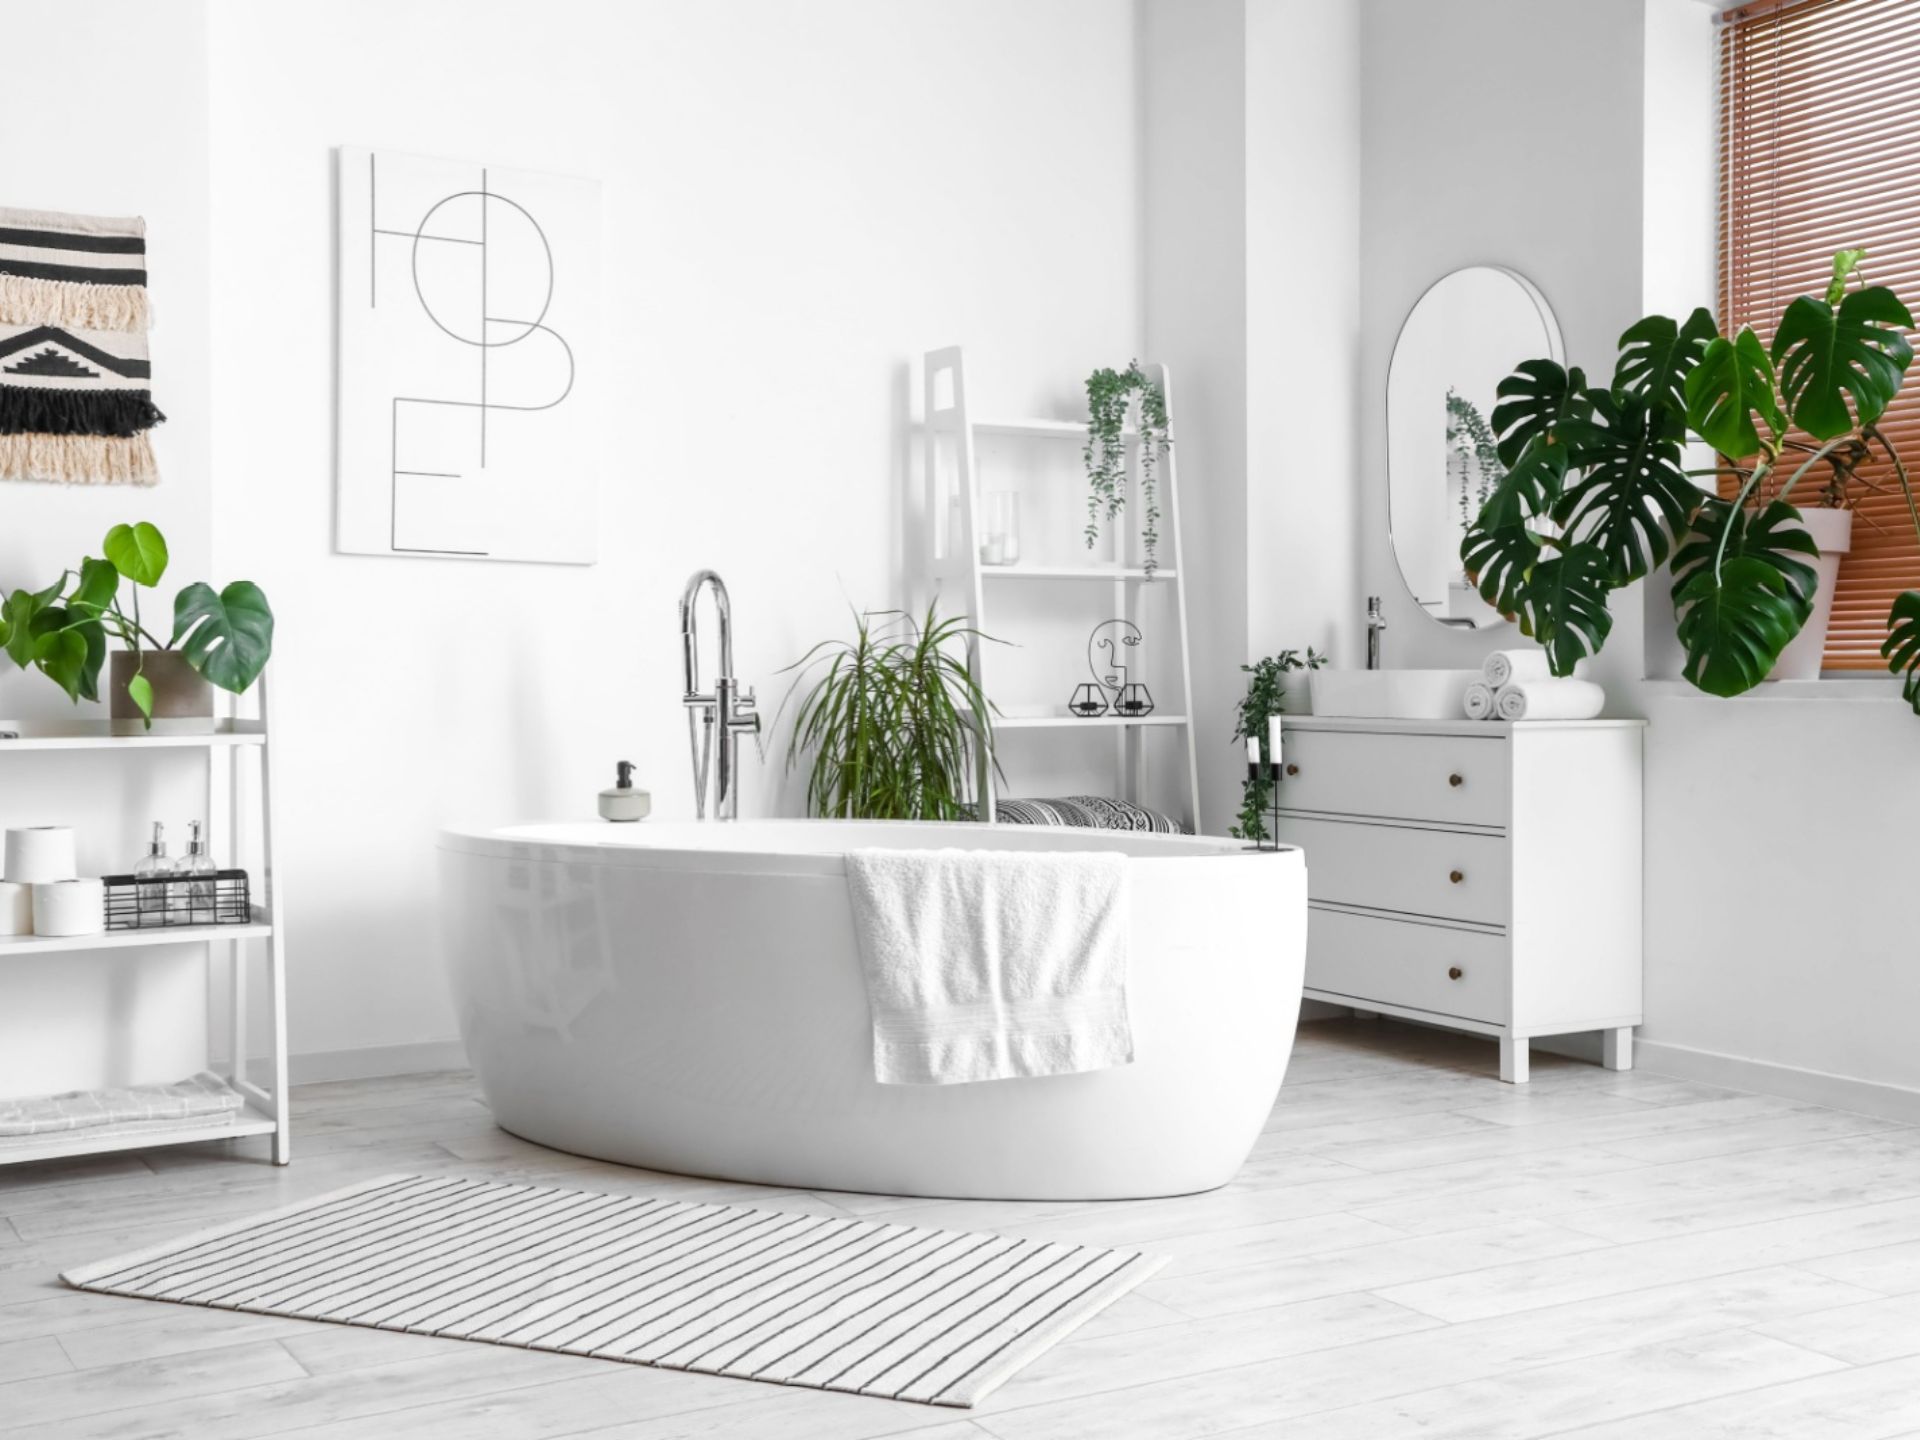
(222, 636)
(1597, 495)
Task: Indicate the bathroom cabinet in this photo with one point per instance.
(1476, 875)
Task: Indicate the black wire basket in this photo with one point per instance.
(170, 901)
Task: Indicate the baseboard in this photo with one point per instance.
(1790, 1082)
(376, 1061)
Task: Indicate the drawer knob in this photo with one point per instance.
(1454, 972)
(1456, 876)
(1293, 769)
(1456, 780)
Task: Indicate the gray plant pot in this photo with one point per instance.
(182, 700)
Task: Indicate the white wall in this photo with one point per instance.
(1305, 401)
(1195, 230)
(798, 200)
(1251, 110)
(124, 133)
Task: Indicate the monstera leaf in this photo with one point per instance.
(1826, 354)
(1501, 545)
(1629, 495)
(1902, 647)
(228, 636)
(1775, 534)
(1734, 624)
(1564, 605)
(1732, 383)
(1536, 398)
(138, 552)
(69, 647)
(99, 580)
(1658, 354)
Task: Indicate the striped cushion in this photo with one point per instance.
(1087, 812)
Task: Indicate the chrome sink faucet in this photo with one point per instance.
(728, 709)
(1376, 622)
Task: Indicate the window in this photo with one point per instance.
(1820, 150)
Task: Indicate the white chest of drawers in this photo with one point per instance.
(1476, 875)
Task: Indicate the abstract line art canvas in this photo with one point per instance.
(469, 415)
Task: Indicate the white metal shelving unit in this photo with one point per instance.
(265, 1111)
(956, 566)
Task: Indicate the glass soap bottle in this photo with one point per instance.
(151, 893)
(193, 892)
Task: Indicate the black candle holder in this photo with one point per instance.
(1088, 702)
(1274, 772)
(1135, 700)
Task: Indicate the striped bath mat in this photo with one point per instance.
(75, 396)
(938, 1316)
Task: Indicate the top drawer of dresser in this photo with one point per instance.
(1448, 779)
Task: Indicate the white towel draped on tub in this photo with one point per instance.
(989, 964)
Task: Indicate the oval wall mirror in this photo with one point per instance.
(1462, 338)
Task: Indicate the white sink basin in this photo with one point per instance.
(1392, 694)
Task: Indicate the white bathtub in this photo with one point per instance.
(688, 997)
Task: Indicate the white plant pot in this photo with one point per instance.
(1832, 531)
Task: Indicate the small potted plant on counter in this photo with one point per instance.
(219, 637)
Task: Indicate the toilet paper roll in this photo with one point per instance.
(16, 908)
(40, 854)
(69, 907)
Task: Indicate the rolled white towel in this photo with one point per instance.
(1506, 667)
(1550, 699)
(1479, 701)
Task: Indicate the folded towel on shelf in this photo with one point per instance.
(988, 964)
(1550, 699)
(203, 1096)
(1479, 701)
(1506, 667)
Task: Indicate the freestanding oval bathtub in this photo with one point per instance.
(688, 997)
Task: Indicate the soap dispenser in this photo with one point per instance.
(623, 802)
(192, 893)
(152, 874)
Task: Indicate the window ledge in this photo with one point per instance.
(1847, 687)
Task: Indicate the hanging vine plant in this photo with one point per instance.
(1109, 396)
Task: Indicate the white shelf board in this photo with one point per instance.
(257, 929)
(1062, 720)
(1039, 429)
(19, 1149)
(93, 735)
(1073, 572)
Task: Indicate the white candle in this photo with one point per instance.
(1253, 750)
(1273, 741)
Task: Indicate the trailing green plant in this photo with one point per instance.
(1109, 396)
(1472, 448)
(62, 631)
(1265, 698)
(1597, 496)
(896, 724)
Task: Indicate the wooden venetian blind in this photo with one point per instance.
(1820, 151)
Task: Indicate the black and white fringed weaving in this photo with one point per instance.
(76, 401)
(941, 1317)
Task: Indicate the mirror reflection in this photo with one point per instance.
(1464, 336)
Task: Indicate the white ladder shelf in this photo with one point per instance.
(265, 1109)
(957, 569)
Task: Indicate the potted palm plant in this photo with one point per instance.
(1596, 495)
(219, 637)
(895, 723)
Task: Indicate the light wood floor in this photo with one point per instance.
(1413, 1249)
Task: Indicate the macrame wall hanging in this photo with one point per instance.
(75, 396)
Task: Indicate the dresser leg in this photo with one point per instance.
(1360, 1014)
(1513, 1060)
(1616, 1048)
